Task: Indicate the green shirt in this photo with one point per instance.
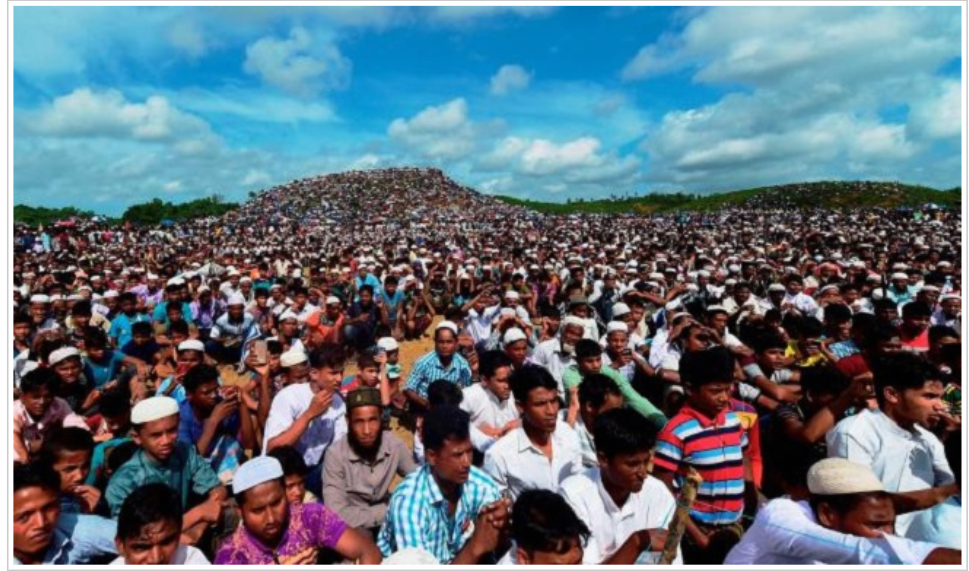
(573, 378)
(184, 472)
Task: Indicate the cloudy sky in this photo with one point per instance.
(114, 105)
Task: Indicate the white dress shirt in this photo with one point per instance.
(786, 532)
(611, 525)
(549, 355)
(485, 408)
(904, 460)
(516, 464)
(289, 404)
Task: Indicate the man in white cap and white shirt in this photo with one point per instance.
(558, 354)
(949, 312)
(849, 519)
(232, 330)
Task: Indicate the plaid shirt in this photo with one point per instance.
(428, 369)
(418, 515)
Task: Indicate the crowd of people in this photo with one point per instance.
(232, 390)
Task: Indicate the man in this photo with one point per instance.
(232, 331)
(556, 355)
(149, 526)
(949, 312)
(361, 322)
(273, 531)
(328, 322)
(443, 363)
(627, 510)
(310, 416)
(597, 394)
(44, 536)
(795, 298)
(121, 325)
(359, 468)
(895, 440)
(161, 458)
(914, 331)
(488, 402)
(543, 451)
(448, 508)
(545, 531)
(848, 520)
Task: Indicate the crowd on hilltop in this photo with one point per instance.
(182, 393)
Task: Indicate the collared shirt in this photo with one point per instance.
(26, 428)
(479, 325)
(549, 355)
(587, 444)
(714, 447)
(357, 490)
(516, 464)
(573, 378)
(121, 327)
(80, 539)
(184, 472)
(650, 508)
(289, 404)
(226, 453)
(904, 460)
(309, 526)
(801, 302)
(418, 515)
(234, 333)
(184, 555)
(428, 369)
(786, 532)
(485, 408)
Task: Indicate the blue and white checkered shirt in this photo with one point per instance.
(418, 515)
(428, 369)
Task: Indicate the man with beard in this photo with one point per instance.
(358, 469)
(273, 531)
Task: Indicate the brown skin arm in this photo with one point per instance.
(944, 556)
(906, 502)
(357, 547)
(695, 533)
(637, 543)
(415, 398)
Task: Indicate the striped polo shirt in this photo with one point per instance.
(428, 369)
(714, 447)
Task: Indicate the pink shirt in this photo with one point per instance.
(59, 414)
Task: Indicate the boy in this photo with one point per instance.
(149, 526)
(37, 412)
(368, 375)
(74, 386)
(190, 354)
(294, 475)
(707, 436)
(142, 345)
(68, 451)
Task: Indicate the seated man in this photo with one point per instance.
(149, 525)
(488, 402)
(359, 468)
(545, 531)
(448, 508)
(42, 535)
(273, 531)
(848, 520)
(597, 394)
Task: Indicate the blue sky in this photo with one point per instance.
(115, 105)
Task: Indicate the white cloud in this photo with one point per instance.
(253, 105)
(509, 78)
(300, 64)
(442, 131)
(464, 14)
(577, 161)
(187, 36)
(939, 114)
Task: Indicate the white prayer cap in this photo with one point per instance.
(259, 470)
(655, 276)
(717, 309)
(944, 264)
(288, 314)
(572, 321)
(512, 294)
(776, 287)
(245, 280)
(61, 354)
(333, 300)
(203, 289)
(110, 293)
(730, 282)
(297, 273)
(191, 345)
(152, 276)
(292, 358)
(236, 299)
(733, 269)
(388, 344)
(949, 296)
(56, 297)
(74, 297)
(838, 476)
(620, 309)
(233, 272)
(275, 286)
(153, 408)
(615, 326)
(175, 282)
(703, 274)
(447, 325)
(692, 287)
(411, 557)
(513, 335)
(899, 276)
(39, 298)
(924, 288)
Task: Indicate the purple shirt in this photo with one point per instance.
(310, 525)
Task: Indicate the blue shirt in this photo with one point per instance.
(178, 393)
(160, 314)
(226, 454)
(418, 515)
(101, 373)
(80, 539)
(370, 280)
(121, 327)
(428, 369)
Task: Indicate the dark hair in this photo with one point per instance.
(444, 393)
(391, 280)
(884, 303)
(329, 355)
(198, 376)
(290, 459)
(595, 388)
(274, 347)
(916, 309)
(542, 520)
(114, 402)
(62, 440)
(35, 475)
(180, 327)
(366, 288)
(837, 313)
(879, 332)
(261, 292)
(824, 381)
(714, 365)
(528, 378)
(586, 348)
(95, 338)
(550, 311)
(118, 455)
(622, 431)
(148, 504)
(20, 317)
(365, 361)
(937, 332)
(902, 372)
(128, 296)
(141, 328)
(38, 378)
(81, 308)
(766, 340)
(844, 503)
(445, 423)
(491, 361)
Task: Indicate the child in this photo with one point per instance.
(389, 347)
(708, 437)
(294, 475)
(37, 412)
(142, 345)
(190, 354)
(368, 375)
(149, 527)
(68, 452)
